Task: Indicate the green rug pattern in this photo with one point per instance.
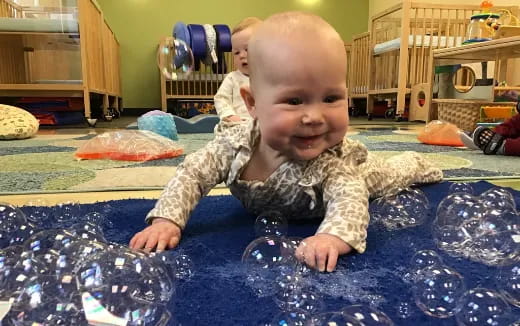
(46, 163)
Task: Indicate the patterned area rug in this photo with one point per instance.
(46, 163)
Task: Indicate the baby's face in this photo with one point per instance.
(300, 97)
(239, 42)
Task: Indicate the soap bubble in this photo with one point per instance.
(184, 267)
(69, 257)
(437, 291)
(36, 211)
(66, 214)
(292, 318)
(498, 198)
(88, 231)
(124, 284)
(508, 283)
(480, 306)
(424, 258)
(461, 187)
(404, 310)
(24, 232)
(441, 218)
(10, 217)
(271, 223)
(367, 315)
(334, 319)
(451, 239)
(269, 253)
(494, 249)
(458, 212)
(174, 58)
(96, 218)
(51, 240)
(405, 209)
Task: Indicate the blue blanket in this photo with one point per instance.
(220, 230)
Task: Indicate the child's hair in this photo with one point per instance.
(245, 23)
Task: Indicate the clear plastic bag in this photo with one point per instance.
(440, 133)
(129, 145)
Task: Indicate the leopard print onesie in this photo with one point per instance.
(335, 186)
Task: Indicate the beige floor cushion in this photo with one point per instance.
(16, 123)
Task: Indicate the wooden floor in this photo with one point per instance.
(91, 197)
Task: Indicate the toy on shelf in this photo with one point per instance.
(483, 25)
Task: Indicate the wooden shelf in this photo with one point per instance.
(479, 52)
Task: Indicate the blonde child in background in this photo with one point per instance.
(293, 155)
(228, 101)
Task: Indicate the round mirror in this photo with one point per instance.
(463, 79)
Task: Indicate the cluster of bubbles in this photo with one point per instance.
(69, 274)
(174, 58)
(483, 228)
(440, 291)
(403, 209)
(273, 269)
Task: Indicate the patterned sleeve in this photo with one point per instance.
(224, 98)
(345, 197)
(196, 176)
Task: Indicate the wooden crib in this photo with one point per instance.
(402, 40)
(74, 55)
(358, 64)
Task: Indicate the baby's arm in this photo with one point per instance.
(344, 226)
(224, 100)
(193, 179)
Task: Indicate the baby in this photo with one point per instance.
(228, 101)
(293, 155)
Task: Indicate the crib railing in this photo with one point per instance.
(10, 9)
(360, 54)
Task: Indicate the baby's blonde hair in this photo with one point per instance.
(290, 25)
(245, 23)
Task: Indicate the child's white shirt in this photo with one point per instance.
(228, 100)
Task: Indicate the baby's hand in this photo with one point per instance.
(321, 251)
(162, 234)
(233, 118)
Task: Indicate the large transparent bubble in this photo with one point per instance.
(269, 253)
(498, 198)
(123, 284)
(368, 316)
(405, 209)
(10, 217)
(271, 223)
(441, 218)
(174, 58)
(480, 306)
(437, 291)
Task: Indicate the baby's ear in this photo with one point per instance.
(249, 100)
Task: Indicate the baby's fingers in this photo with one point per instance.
(321, 258)
(332, 259)
(138, 241)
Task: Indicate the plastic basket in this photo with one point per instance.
(464, 113)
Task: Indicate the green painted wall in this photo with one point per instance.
(140, 24)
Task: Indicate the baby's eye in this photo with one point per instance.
(331, 99)
(236, 52)
(294, 101)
